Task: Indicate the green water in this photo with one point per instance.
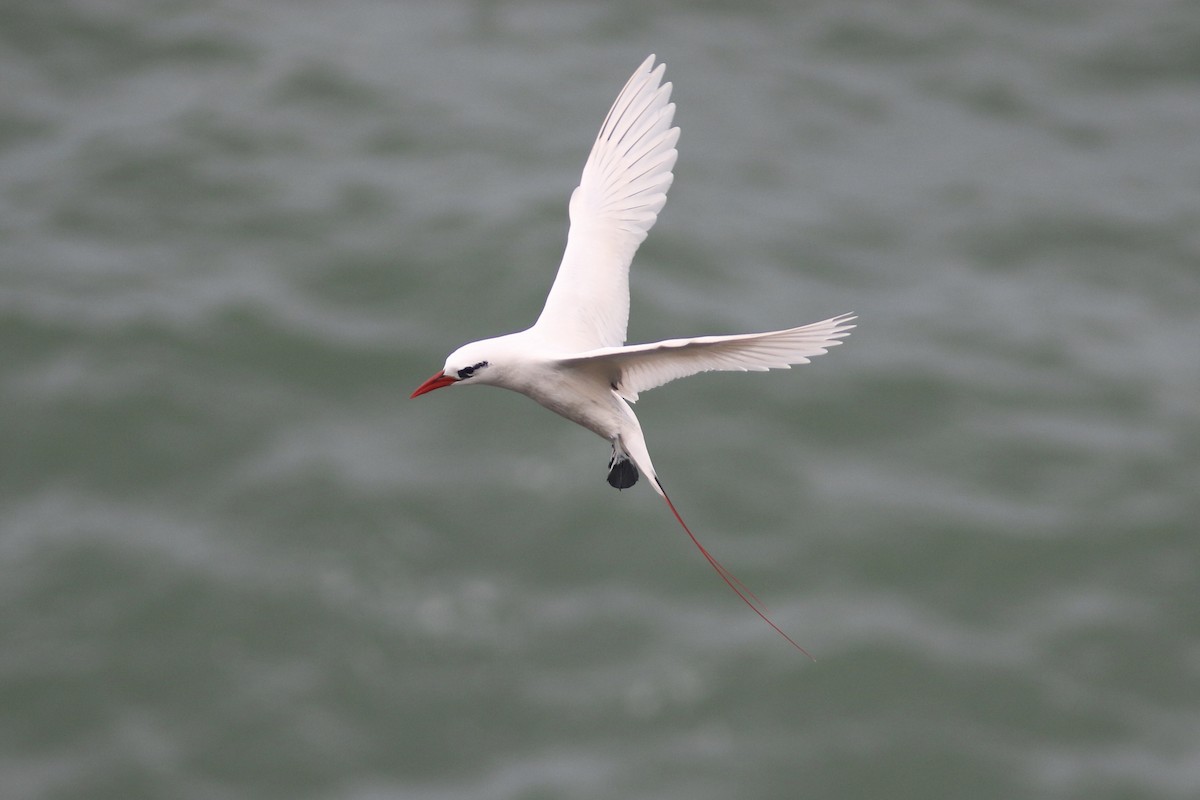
(237, 562)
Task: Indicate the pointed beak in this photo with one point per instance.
(436, 382)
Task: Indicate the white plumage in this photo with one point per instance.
(624, 186)
(637, 368)
(574, 359)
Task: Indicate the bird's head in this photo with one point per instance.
(467, 364)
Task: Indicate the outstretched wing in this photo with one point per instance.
(624, 186)
(637, 368)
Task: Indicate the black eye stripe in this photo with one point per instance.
(467, 372)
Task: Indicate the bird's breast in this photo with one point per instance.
(580, 398)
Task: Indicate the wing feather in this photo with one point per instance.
(633, 369)
(624, 186)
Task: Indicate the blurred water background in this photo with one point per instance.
(237, 562)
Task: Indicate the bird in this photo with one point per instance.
(574, 360)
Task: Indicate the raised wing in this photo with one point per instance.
(624, 186)
(637, 368)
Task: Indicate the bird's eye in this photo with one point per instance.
(467, 372)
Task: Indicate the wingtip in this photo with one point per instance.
(842, 325)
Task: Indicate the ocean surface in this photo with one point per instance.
(237, 562)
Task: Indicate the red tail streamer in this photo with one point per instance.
(748, 597)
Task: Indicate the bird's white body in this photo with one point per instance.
(574, 360)
(523, 363)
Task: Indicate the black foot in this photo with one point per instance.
(621, 472)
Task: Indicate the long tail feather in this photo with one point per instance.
(748, 597)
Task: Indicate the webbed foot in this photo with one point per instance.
(621, 472)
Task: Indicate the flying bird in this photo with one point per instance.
(574, 360)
